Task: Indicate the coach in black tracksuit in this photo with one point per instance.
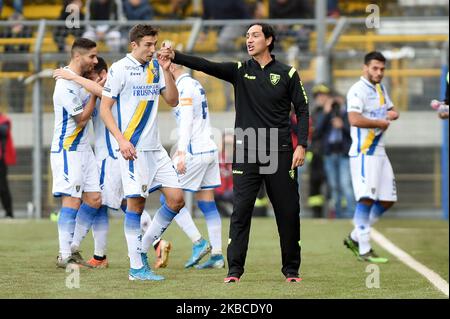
(264, 90)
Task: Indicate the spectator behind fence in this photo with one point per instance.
(333, 129)
(15, 86)
(60, 33)
(138, 10)
(318, 188)
(102, 10)
(293, 9)
(17, 5)
(227, 10)
(7, 157)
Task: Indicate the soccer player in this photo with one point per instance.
(197, 163)
(106, 154)
(135, 84)
(370, 112)
(265, 90)
(75, 175)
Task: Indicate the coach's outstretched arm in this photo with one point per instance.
(225, 71)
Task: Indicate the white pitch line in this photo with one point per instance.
(429, 274)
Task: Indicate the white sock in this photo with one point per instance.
(133, 234)
(364, 239)
(100, 229)
(146, 220)
(214, 224)
(354, 234)
(160, 222)
(85, 217)
(66, 226)
(186, 223)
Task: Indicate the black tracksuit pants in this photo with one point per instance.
(282, 189)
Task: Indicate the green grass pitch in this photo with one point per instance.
(28, 250)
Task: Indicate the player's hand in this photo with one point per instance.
(164, 55)
(63, 74)
(383, 124)
(391, 115)
(298, 159)
(443, 115)
(102, 81)
(127, 150)
(181, 162)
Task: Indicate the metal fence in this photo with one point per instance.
(323, 50)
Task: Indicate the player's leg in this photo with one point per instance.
(166, 179)
(282, 189)
(92, 199)
(135, 180)
(387, 192)
(200, 246)
(191, 181)
(207, 205)
(67, 185)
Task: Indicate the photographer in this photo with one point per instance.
(333, 130)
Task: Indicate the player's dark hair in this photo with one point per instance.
(101, 65)
(268, 31)
(82, 45)
(374, 55)
(142, 30)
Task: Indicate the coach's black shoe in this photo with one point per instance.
(293, 278)
(231, 279)
(352, 245)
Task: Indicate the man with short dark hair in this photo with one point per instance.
(370, 112)
(75, 175)
(134, 84)
(265, 89)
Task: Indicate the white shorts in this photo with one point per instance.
(110, 181)
(149, 172)
(74, 173)
(202, 172)
(373, 177)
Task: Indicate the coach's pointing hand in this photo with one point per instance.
(298, 159)
(127, 150)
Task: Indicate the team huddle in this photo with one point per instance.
(128, 161)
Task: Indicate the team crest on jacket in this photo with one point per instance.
(274, 78)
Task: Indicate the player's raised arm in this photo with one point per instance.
(91, 86)
(170, 91)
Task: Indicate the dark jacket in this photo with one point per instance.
(225, 9)
(141, 12)
(263, 98)
(333, 140)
